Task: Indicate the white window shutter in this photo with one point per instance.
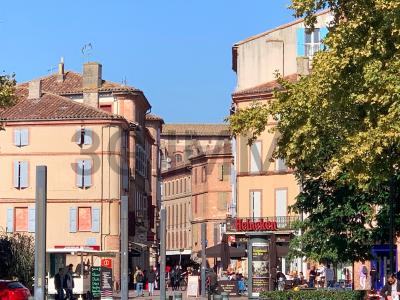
(255, 198)
(79, 136)
(95, 219)
(31, 219)
(16, 174)
(10, 219)
(17, 137)
(72, 219)
(87, 173)
(88, 136)
(255, 157)
(24, 137)
(79, 173)
(24, 176)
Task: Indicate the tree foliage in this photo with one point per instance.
(7, 90)
(17, 254)
(340, 127)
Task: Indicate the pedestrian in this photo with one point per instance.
(322, 276)
(58, 284)
(152, 279)
(311, 277)
(329, 275)
(374, 277)
(391, 288)
(138, 281)
(363, 275)
(68, 283)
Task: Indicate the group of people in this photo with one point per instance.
(141, 278)
(64, 282)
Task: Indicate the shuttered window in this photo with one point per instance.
(84, 173)
(280, 165)
(20, 174)
(10, 219)
(21, 219)
(84, 136)
(255, 157)
(31, 219)
(255, 204)
(84, 219)
(21, 137)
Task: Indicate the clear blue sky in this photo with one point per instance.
(177, 51)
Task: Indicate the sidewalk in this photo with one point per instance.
(132, 295)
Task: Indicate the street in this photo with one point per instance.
(132, 295)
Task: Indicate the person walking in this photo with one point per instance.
(68, 283)
(151, 279)
(138, 281)
(58, 284)
(329, 275)
(312, 275)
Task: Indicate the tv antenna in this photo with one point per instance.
(123, 80)
(87, 50)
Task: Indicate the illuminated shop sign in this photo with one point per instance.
(259, 225)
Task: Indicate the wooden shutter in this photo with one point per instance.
(255, 157)
(23, 176)
(300, 41)
(16, 174)
(87, 173)
(255, 198)
(95, 219)
(79, 136)
(87, 140)
(72, 219)
(10, 219)
(79, 173)
(24, 137)
(221, 172)
(31, 219)
(17, 137)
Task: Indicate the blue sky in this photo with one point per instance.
(177, 51)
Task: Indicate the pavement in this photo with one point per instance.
(132, 295)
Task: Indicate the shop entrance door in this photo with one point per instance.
(381, 254)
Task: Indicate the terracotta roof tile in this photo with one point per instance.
(153, 117)
(196, 129)
(51, 107)
(72, 84)
(265, 87)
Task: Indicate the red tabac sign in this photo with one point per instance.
(106, 262)
(259, 225)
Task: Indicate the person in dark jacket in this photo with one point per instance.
(68, 283)
(151, 279)
(58, 284)
(391, 288)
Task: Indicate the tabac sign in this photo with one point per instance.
(256, 225)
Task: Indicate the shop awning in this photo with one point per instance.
(218, 250)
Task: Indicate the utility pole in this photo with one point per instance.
(203, 258)
(124, 248)
(40, 232)
(163, 220)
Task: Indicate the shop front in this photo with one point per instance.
(266, 241)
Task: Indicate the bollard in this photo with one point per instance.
(225, 296)
(178, 296)
(217, 297)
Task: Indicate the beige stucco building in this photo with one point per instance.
(91, 135)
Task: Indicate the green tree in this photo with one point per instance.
(339, 128)
(7, 92)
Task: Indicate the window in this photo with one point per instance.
(312, 41)
(106, 107)
(178, 158)
(21, 137)
(204, 174)
(20, 174)
(281, 202)
(255, 204)
(222, 200)
(84, 173)
(280, 164)
(84, 136)
(255, 157)
(195, 204)
(84, 219)
(195, 175)
(21, 219)
(224, 171)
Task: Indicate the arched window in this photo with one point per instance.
(178, 158)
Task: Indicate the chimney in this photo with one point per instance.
(35, 89)
(91, 83)
(60, 75)
(303, 65)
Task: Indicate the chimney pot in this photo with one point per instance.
(60, 75)
(35, 89)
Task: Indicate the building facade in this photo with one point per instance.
(91, 135)
(196, 168)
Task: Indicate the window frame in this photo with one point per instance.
(312, 46)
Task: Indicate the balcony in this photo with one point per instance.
(279, 223)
